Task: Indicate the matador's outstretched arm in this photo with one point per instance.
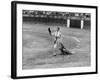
(49, 30)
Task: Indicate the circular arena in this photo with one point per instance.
(38, 45)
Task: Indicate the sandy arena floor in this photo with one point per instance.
(38, 52)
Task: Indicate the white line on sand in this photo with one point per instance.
(76, 39)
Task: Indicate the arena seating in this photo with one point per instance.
(57, 18)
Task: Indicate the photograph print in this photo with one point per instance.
(54, 39)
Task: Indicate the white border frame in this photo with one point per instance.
(36, 72)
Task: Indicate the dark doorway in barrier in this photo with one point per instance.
(75, 23)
